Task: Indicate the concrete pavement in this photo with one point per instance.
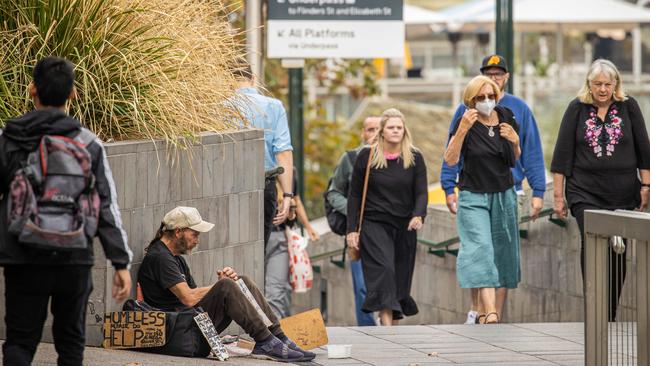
(502, 344)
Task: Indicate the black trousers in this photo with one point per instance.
(270, 208)
(616, 263)
(225, 302)
(28, 289)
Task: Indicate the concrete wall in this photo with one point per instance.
(222, 177)
(550, 290)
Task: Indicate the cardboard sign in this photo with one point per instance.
(134, 329)
(306, 329)
(211, 335)
(247, 292)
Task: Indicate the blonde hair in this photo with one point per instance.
(406, 146)
(474, 87)
(607, 68)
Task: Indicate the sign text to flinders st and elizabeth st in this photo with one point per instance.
(335, 29)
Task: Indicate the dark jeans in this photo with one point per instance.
(270, 207)
(360, 291)
(616, 263)
(28, 288)
(225, 302)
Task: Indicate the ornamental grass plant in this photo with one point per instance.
(145, 68)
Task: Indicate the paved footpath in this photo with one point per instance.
(503, 344)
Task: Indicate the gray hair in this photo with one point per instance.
(607, 68)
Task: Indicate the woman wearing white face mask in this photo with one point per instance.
(487, 141)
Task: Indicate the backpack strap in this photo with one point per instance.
(85, 137)
(352, 155)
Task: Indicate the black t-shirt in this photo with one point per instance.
(394, 194)
(487, 160)
(600, 158)
(159, 271)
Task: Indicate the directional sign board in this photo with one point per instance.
(335, 29)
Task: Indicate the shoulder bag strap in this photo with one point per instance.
(365, 187)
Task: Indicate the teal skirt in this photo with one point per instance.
(489, 240)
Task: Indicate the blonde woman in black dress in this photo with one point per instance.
(396, 204)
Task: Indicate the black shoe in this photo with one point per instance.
(307, 356)
(274, 349)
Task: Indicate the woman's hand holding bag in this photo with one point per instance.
(353, 246)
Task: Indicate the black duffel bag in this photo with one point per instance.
(182, 336)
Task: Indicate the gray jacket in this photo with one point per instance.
(337, 192)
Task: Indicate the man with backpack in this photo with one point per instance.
(57, 193)
(336, 204)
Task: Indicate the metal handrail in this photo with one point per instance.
(600, 225)
(442, 248)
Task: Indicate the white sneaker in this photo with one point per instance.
(471, 317)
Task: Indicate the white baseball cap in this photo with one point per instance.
(186, 217)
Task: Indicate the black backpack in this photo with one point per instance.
(336, 220)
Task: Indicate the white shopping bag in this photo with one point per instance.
(301, 275)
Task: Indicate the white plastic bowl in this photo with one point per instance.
(339, 350)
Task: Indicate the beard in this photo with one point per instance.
(183, 246)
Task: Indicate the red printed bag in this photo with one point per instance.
(301, 274)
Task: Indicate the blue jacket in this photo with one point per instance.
(531, 163)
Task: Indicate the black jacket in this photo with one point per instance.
(21, 136)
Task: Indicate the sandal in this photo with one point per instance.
(478, 319)
(488, 315)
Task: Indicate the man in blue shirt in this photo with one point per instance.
(269, 115)
(530, 165)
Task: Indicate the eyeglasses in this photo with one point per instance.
(479, 98)
(599, 85)
(495, 75)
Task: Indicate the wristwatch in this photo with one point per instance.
(287, 195)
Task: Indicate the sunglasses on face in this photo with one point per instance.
(479, 98)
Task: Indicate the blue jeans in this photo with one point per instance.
(363, 319)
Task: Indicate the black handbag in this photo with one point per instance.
(182, 335)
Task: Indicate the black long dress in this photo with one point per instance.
(600, 160)
(395, 195)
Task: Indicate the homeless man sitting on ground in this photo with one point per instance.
(167, 284)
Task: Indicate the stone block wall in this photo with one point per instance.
(550, 290)
(222, 175)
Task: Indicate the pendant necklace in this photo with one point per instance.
(490, 128)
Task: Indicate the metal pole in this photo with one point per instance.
(504, 33)
(296, 125)
(254, 36)
(637, 54)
